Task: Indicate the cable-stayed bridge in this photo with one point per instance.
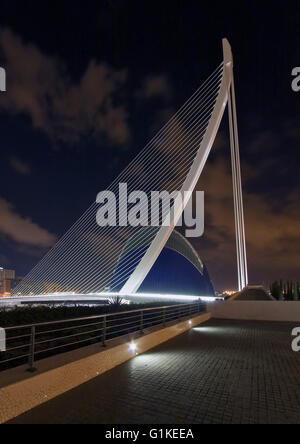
(84, 260)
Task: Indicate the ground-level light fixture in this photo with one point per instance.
(132, 347)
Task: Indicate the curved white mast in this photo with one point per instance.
(225, 94)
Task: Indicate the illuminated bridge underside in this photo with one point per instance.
(100, 299)
(85, 259)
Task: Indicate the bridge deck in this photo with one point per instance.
(221, 372)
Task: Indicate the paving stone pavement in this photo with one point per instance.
(223, 371)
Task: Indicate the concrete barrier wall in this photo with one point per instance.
(17, 398)
(285, 311)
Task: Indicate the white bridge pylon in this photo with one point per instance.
(226, 96)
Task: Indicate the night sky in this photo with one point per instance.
(89, 83)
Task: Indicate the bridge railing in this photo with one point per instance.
(29, 343)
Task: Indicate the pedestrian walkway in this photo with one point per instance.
(220, 372)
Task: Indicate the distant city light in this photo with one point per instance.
(229, 292)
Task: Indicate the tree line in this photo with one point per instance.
(285, 290)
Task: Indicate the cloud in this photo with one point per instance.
(39, 86)
(22, 230)
(161, 117)
(3, 260)
(155, 86)
(272, 227)
(20, 166)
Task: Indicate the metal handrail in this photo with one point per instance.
(111, 326)
(92, 317)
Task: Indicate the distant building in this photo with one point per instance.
(8, 281)
(6, 287)
(7, 274)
